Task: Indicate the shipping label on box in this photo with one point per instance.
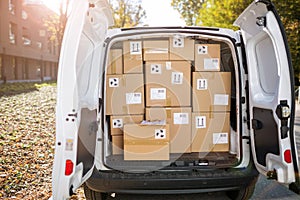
(181, 48)
(211, 91)
(146, 142)
(132, 58)
(179, 120)
(156, 50)
(210, 132)
(117, 122)
(207, 57)
(168, 83)
(125, 94)
(115, 61)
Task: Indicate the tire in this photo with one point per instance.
(93, 195)
(244, 193)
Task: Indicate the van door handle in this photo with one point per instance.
(256, 124)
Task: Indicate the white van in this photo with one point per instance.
(173, 109)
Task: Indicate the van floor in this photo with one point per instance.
(176, 161)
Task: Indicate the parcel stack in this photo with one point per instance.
(173, 85)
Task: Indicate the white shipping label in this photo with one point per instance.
(202, 49)
(220, 138)
(160, 134)
(202, 84)
(158, 93)
(134, 98)
(200, 121)
(117, 123)
(211, 63)
(180, 118)
(114, 82)
(168, 65)
(177, 78)
(178, 42)
(155, 68)
(136, 48)
(221, 99)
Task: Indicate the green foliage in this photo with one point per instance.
(188, 9)
(127, 13)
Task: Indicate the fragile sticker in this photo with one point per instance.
(117, 123)
(134, 98)
(211, 63)
(221, 99)
(177, 78)
(200, 121)
(136, 48)
(158, 93)
(202, 84)
(180, 118)
(220, 138)
(178, 42)
(168, 65)
(155, 68)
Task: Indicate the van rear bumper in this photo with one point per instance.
(174, 182)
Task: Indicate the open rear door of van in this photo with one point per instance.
(78, 95)
(271, 92)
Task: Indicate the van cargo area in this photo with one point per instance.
(171, 102)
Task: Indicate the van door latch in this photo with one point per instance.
(256, 124)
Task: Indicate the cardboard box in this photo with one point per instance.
(115, 61)
(168, 83)
(211, 91)
(156, 50)
(181, 48)
(179, 120)
(146, 142)
(207, 57)
(117, 145)
(124, 94)
(210, 132)
(117, 122)
(133, 60)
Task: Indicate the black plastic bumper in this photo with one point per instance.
(171, 182)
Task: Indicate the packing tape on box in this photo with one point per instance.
(169, 102)
(146, 142)
(169, 114)
(211, 115)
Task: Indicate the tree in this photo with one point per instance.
(188, 9)
(127, 13)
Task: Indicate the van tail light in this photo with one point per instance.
(69, 167)
(287, 156)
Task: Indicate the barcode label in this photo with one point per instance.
(181, 118)
(135, 48)
(134, 98)
(220, 138)
(177, 78)
(221, 99)
(158, 93)
(200, 121)
(211, 63)
(202, 84)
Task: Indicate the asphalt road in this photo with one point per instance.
(265, 189)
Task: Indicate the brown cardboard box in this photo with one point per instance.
(181, 48)
(211, 91)
(207, 57)
(117, 122)
(117, 144)
(115, 61)
(179, 120)
(133, 60)
(156, 50)
(210, 132)
(168, 83)
(124, 94)
(146, 142)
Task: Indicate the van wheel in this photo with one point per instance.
(93, 195)
(244, 193)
